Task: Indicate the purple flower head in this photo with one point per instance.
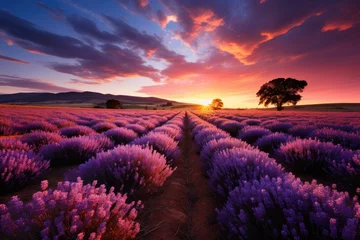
(251, 122)
(251, 134)
(280, 127)
(103, 127)
(217, 145)
(13, 144)
(301, 131)
(232, 127)
(240, 164)
(272, 142)
(75, 150)
(345, 139)
(76, 131)
(17, 167)
(38, 125)
(162, 143)
(37, 139)
(72, 210)
(130, 169)
(121, 135)
(139, 129)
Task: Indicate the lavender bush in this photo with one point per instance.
(13, 144)
(76, 131)
(6, 128)
(301, 131)
(103, 127)
(72, 211)
(251, 122)
(208, 134)
(232, 127)
(280, 127)
(37, 139)
(75, 150)
(139, 129)
(38, 125)
(270, 143)
(217, 145)
(231, 166)
(345, 139)
(17, 167)
(162, 143)
(251, 134)
(286, 208)
(311, 156)
(121, 135)
(130, 169)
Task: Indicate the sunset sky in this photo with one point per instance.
(185, 50)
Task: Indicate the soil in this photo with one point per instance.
(184, 207)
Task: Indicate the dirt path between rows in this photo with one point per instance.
(184, 206)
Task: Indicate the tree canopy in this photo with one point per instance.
(281, 91)
(113, 104)
(216, 104)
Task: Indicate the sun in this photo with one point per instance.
(205, 102)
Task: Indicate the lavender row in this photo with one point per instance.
(22, 120)
(20, 157)
(126, 173)
(324, 157)
(258, 199)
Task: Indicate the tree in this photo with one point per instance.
(281, 91)
(113, 104)
(216, 104)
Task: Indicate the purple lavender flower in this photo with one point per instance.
(345, 139)
(38, 125)
(272, 142)
(13, 144)
(37, 139)
(103, 127)
(139, 129)
(76, 131)
(70, 211)
(75, 150)
(251, 134)
(17, 167)
(121, 135)
(130, 169)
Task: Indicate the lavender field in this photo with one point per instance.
(142, 174)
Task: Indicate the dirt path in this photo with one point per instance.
(183, 208)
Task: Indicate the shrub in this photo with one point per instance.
(17, 167)
(62, 123)
(37, 139)
(72, 211)
(131, 169)
(121, 123)
(251, 122)
(103, 127)
(41, 126)
(251, 134)
(76, 131)
(139, 129)
(345, 139)
(279, 127)
(13, 144)
(231, 166)
(6, 128)
(172, 131)
(121, 135)
(311, 156)
(231, 127)
(217, 145)
(285, 208)
(161, 143)
(75, 150)
(206, 135)
(301, 131)
(270, 143)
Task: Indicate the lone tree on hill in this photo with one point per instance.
(216, 104)
(281, 91)
(113, 104)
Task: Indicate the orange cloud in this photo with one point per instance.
(143, 3)
(9, 42)
(339, 26)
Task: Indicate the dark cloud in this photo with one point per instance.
(10, 59)
(103, 64)
(33, 84)
(55, 13)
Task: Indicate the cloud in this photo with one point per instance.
(55, 13)
(102, 63)
(10, 59)
(33, 84)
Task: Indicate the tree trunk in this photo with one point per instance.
(279, 107)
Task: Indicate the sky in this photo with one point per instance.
(184, 50)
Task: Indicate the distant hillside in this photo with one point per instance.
(325, 107)
(82, 99)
